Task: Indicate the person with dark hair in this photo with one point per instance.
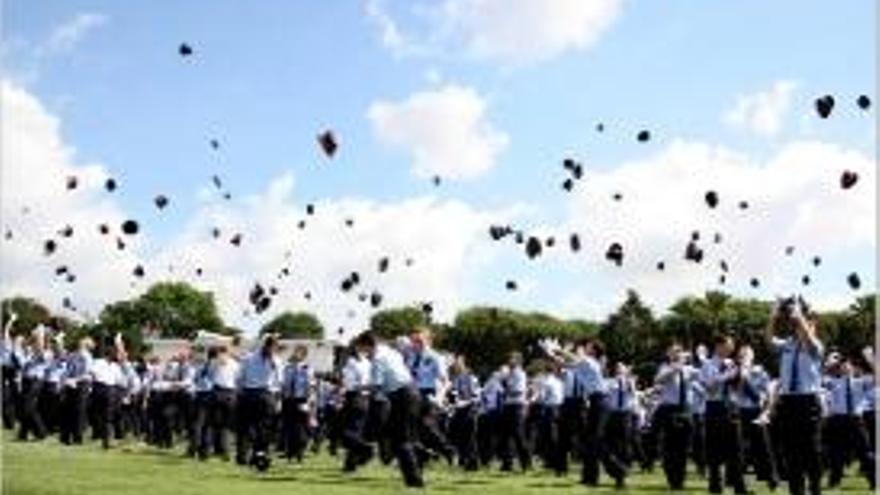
(391, 375)
(296, 414)
(622, 393)
(355, 387)
(590, 384)
(799, 408)
(571, 417)
(260, 377)
(75, 393)
(673, 416)
(50, 395)
(11, 361)
(753, 392)
(869, 396)
(465, 403)
(37, 359)
(429, 372)
(723, 428)
(106, 375)
(224, 373)
(846, 434)
(513, 416)
(489, 419)
(203, 385)
(549, 395)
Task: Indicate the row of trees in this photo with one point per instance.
(484, 335)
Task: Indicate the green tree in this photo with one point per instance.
(485, 336)
(630, 334)
(179, 310)
(176, 309)
(299, 325)
(394, 322)
(30, 314)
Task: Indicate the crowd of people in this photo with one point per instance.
(404, 401)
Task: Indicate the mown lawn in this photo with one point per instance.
(50, 468)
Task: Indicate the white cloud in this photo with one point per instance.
(66, 36)
(794, 199)
(762, 112)
(508, 31)
(35, 205)
(445, 238)
(445, 130)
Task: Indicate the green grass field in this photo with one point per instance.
(50, 468)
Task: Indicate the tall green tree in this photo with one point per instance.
(175, 309)
(485, 336)
(630, 334)
(30, 314)
(299, 325)
(394, 322)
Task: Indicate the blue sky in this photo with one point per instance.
(266, 77)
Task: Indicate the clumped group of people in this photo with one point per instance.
(403, 401)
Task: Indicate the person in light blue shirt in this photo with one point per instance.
(845, 433)
(621, 400)
(430, 374)
(295, 411)
(75, 392)
(37, 358)
(463, 425)
(513, 416)
(673, 417)
(224, 376)
(261, 375)
(752, 389)
(203, 388)
(10, 358)
(869, 394)
(799, 409)
(356, 381)
(50, 396)
(550, 394)
(723, 427)
(394, 379)
(489, 419)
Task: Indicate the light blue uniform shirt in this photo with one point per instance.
(225, 373)
(869, 393)
(715, 374)
(515, 386)
(389, 371)
(568, 381)
(297, 380)
(621, 394)
(466, 387)
(754, 388)
(56, 370)
(809, 366)
(203, 380)
(845, 395)
(428, 369)
(588, 377)
(492, 395)
(356, 374)
(671, 389)
(260, 373)
(106, 372)
(551, 391)
(36, 365)
(78, 365)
